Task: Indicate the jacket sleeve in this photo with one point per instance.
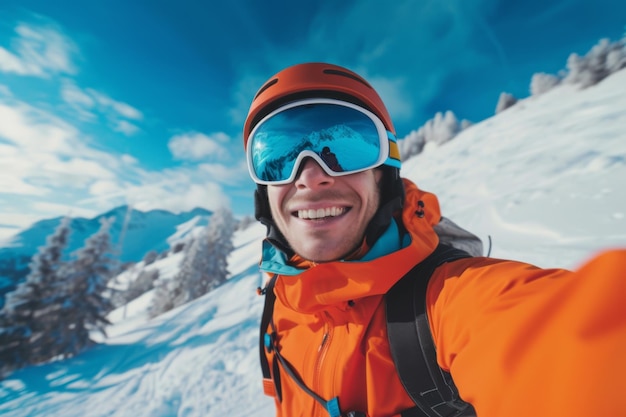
(524, 341)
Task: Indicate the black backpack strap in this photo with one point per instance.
(412, 346)
(268, 344)
(265, 342)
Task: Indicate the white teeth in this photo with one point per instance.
(320, 213)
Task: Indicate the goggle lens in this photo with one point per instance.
(341, 137)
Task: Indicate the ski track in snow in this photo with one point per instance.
(544, 179)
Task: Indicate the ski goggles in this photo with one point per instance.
(341, 137)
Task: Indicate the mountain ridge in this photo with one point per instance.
(133, 233)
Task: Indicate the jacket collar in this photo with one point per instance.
(275, 261)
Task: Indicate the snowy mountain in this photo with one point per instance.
(543, 179)
(134, 232)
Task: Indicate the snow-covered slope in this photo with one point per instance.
(544, 179)
(197, 360)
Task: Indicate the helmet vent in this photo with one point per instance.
(346, 74)
(266, 86)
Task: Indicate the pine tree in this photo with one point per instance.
(601, 61)
(143, 282)
(193, 277)
(246, 222)
(438, 130)
(220, 244)
(27, 321)
(167, 294)
(505, 101)
(86, 290)
(203, 268)
(191, 280)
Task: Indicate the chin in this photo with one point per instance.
(320, 255)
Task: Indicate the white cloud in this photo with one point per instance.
(173, 189)
(225, 174)
(49, 168)
(104, 188)
(10, 62)
(9, 184)
(78, 170)
(80, 101)
(73, 95)
(196, 146)
(126, 128)
(42, 155)
(18, 171)
(89, 103)
(119, 108)
(5, 91)
(38, 51)
(36, 130)
(128, 159)
(183, 198)
(13, 223)
(64, 210)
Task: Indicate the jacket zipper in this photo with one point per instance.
(322, 350)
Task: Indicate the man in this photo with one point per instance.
(517, 340)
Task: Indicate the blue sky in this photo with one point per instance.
(141, 102)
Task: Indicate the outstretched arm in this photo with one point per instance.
(524, 341)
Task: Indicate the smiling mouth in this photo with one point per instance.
(316, 214)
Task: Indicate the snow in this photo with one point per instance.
(544, 180)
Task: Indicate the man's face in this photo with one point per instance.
(322, 217)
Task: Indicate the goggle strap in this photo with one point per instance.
(394, 152)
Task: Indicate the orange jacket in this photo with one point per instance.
(518, 340)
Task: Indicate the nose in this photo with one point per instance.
(312, 175)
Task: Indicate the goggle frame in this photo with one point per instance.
(384, 139)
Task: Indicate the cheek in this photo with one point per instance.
(373, 201)
(275, 196)
(371, 188)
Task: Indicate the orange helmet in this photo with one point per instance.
(314, 80)
(320, 80)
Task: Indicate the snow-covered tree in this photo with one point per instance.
(182, 288)
(412, 144)
(167, 295)
(602, 60)
(143, 282)
(505, 101)
(220, 244)
(203, 268)
(541, 83)
(194, 273)
(150, 257)
(87, 295)
(439, 130)
(179, 246)
(245, 222)
(28, 321)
